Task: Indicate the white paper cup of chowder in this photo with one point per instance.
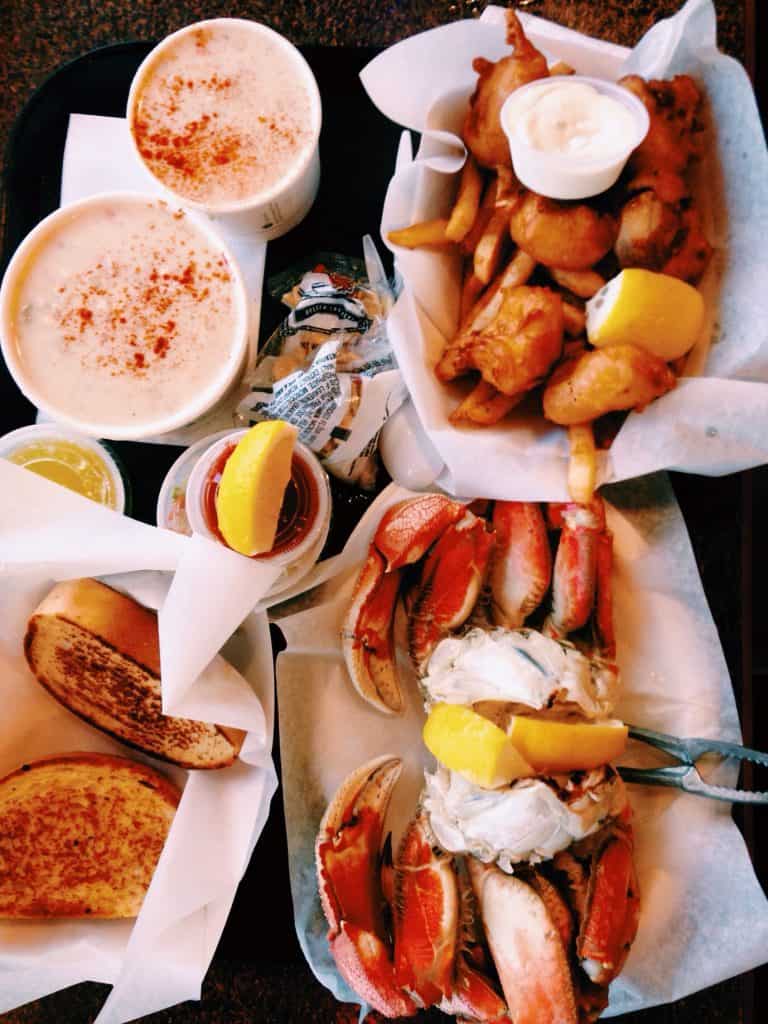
(225, 115)
(123, 316)
(305, 516)
(570, 136)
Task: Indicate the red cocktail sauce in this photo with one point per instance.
(298, 512)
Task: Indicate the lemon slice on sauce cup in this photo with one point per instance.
(252, 488)
(303, 518)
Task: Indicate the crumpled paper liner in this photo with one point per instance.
(48, 533)
(704, 917)
(716, 420)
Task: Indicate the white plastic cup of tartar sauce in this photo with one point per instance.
(225, 115)
(570, 135)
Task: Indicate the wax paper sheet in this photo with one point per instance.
(716, 420)
(704, 917)
(205, 595)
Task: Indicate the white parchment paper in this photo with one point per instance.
(205, 594)
(716, 420)
(704, 917)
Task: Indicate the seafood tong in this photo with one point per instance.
(685, 775)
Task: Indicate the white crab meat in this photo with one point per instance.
(531, 820)
(519, 666)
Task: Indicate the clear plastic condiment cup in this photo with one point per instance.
(560, 175)
(73, 454)
(295, 561)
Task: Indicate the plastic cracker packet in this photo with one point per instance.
(329, 368)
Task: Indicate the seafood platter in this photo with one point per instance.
(433, 481)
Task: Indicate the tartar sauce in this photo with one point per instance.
(572, 119)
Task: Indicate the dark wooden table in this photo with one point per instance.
(258, 973)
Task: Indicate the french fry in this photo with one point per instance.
(484, 214)
(470, 293)
(584, 283)
(561, 68)
(509, 191)
(465, 209)
(582, 466)
(516, 273)
(426, 232)
(490, 248)
(574, 320)
(484, 405)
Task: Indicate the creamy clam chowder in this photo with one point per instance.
(224, 112)
(124, 313)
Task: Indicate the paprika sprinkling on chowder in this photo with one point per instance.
(223, 112)
(124, 312)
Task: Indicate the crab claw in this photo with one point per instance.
(367, 636)
(573, 580)
(450, 585)
(526, 947)
(522, 563)
(405, 532)
(612, 909)
(409, 528)
(474, 998)
(346, 860)
(426, 915)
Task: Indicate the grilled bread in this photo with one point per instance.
(97, 652)
(81, 835)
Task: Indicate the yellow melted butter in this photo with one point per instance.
(67, 463)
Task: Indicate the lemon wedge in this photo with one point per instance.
(473, 746)
(661, 314)
(252, 486)
(566, 747)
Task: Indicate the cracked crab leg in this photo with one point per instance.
(522, 564)
(575, 572)
(426, 915)
(526, 947)
(346, 861)
(613, 903)
(450, 586)
(474, 997)
(410, 528)
(605, 637)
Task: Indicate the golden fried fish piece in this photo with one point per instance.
(674, 135)
(605, 380)
(516, 350)
(482, 132)
(657, 236)
(567, 236)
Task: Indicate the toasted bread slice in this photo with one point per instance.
(97, 652)
(81, 836)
